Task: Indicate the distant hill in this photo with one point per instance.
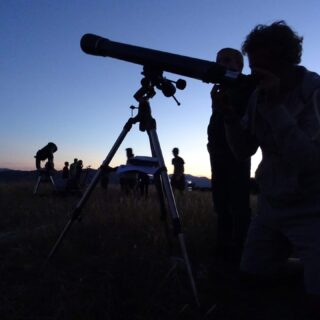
(193, 182)
(8, 176)
(198, 182)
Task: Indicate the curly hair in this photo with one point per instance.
(279, 38)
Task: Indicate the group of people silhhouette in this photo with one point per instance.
(133, 181)
(71, 176)
(278, 111)
(281, 116)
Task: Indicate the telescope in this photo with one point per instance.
(207, 71)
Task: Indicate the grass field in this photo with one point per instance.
(119, 262)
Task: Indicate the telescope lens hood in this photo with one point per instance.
(90, 44)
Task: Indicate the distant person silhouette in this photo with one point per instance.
(73, 168)
(65, 171)
(78, 172)
(74, 181)
(130, 154)
(178, 181)
(129, 180)
(230, 177)
(46, 153)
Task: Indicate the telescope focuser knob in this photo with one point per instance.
(181, 84)
(167, 88)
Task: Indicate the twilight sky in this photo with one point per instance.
(52, 91)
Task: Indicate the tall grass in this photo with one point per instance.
(117, 263)
(121, 261)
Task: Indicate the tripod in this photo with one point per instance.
(146, 123)
(44, 176)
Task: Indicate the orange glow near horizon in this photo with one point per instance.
(201, 170)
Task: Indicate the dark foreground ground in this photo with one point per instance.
(117, 263)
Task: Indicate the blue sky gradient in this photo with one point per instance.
(51, 91)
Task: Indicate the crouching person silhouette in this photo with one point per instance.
(45, 174)
(46, 153)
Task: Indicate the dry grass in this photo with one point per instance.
(112, 264)
(115, 264)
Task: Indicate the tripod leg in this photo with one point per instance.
(155, 146)
(52, 181)
(159, 188)
(37, 185)
(77, 211)
(163, 210)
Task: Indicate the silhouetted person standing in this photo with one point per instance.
(178, 178)
(74, 181)
(46, 153)
(129, 180)
(78, 173)
(230, 177)
(65, 171)
(130, 154)
(73, 168)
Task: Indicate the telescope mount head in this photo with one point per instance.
(153, 78)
